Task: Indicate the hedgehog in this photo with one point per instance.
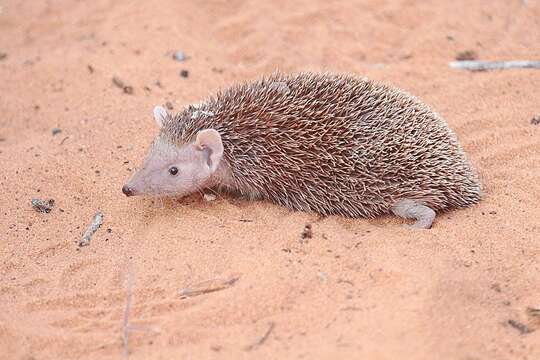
(332, 144)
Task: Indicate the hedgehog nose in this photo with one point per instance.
(127, 190)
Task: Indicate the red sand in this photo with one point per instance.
(359, 288)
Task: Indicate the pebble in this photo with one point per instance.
(179, 56)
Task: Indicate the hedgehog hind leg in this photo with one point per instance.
(413, 209)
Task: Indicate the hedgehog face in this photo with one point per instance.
(169, 170)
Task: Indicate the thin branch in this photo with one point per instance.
(263, 339)
(475, 65)
(96, 223)
(209, 286)
(125, 327)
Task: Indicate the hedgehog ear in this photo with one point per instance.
(160, 114)
(209, 141)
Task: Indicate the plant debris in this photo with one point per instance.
(64, 139)
(476, 65)
(184, 73)
(56, 131)
(467, 55)
(280, 87)
(119, 83)
(263, 339)
(198, 113)
(307, 233)
(209, 286)
(92, 228)
(43, 206)
(125, 325)
(522, 328)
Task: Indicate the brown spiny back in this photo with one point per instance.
(333, 144)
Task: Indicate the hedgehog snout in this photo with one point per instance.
(127, 190)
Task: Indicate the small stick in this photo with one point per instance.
(522, 328)
(475, 65)
(63, 140)
(96, 223)
(125, 327)
(263, 339)
(209, 286)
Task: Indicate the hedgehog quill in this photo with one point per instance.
(326, 143)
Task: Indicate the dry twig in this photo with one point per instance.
(125, 327)
(96, 223)
(209, 286)
(522, 328)
(477, 65)
(263, 339)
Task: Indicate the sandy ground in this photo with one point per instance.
(358, 288)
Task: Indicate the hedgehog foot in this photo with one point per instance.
(412, 209)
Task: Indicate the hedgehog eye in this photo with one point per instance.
(173, 170)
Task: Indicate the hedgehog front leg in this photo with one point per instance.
(412, 209)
